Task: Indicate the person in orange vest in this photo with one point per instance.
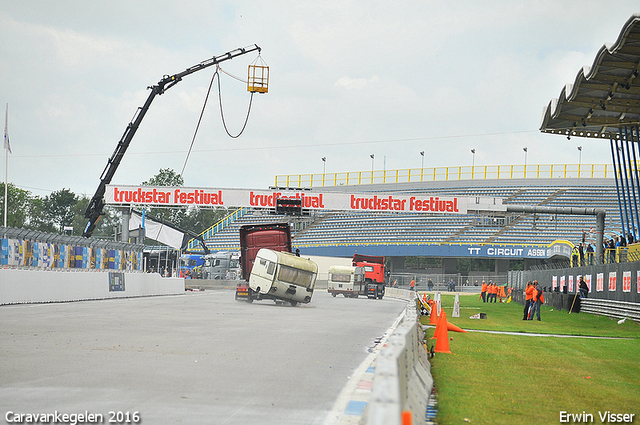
(534, 299)
(413, 285)
(493, 292)
(538, 300)
(483, 292)
(527, 301)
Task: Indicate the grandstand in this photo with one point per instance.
(394, 234)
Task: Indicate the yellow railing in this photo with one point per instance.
(411, 175)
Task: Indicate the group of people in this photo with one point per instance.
(489, 292)
(534, 298)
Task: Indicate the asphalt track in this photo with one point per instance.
(198, 358)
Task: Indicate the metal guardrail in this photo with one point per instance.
(38, 236)
(478, 172)
(610, 308)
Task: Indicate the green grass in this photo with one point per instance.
(519, 379)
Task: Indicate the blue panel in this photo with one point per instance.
(355, 408)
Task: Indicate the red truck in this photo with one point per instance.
(374, 273)
(253, 237)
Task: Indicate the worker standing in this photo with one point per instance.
(527, 302)
(483, 291)
(534, 300)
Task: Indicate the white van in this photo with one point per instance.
(282, 276)
(346, 280)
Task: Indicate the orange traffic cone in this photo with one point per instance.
(433, 319)
(454, 328)
(407, 417)
(442, 342)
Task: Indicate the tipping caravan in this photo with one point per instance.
(346, 280)
(282, 276)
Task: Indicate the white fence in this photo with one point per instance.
(42, 286)
(402, 379)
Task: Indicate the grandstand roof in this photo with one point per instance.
(605, 96)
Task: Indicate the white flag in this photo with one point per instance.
(7, 146)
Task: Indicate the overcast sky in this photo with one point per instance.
(347, 79)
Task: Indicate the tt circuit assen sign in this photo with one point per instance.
(184, 196)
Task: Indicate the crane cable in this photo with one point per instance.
(222, 110)
(206, 99)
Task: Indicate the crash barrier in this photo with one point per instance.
(21, 248)
(402, 379)
(614, 309)
(40, 286)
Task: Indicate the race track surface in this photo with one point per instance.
(198, 358)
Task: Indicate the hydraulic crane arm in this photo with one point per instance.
(94, 210)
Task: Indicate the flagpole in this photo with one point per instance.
(6, 177)
(6, 164)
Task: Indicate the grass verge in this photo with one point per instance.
(521, 379)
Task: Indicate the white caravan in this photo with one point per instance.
(282, 276)
(346, 280)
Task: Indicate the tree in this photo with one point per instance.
(167, 177)
(200, 219)
(59, 207)
(18, 206)
(38, 216)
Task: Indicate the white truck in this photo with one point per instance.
(282, 276)
(347, 280)
(221, 265)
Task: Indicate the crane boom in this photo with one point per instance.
(94, 210)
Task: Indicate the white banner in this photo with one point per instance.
(185, 196)
(157, 231)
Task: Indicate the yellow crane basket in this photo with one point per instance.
(258, 78)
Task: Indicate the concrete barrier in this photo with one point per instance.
(41, 286)
(402, 379)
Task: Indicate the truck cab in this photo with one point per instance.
(375, 273)
(221, 265)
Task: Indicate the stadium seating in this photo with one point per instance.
(340, 228)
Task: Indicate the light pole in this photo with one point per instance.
(525, 161)
(372, 156)
(324, 165)
(422, 155)
(579, 159)
(579, 156)
(473, 161)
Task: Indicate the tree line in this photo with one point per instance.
(64, 209)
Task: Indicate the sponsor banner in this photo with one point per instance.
(571, 283)
(626, 281)
(515, 251)
(599, 282)
(186, 196)
(612, 281)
